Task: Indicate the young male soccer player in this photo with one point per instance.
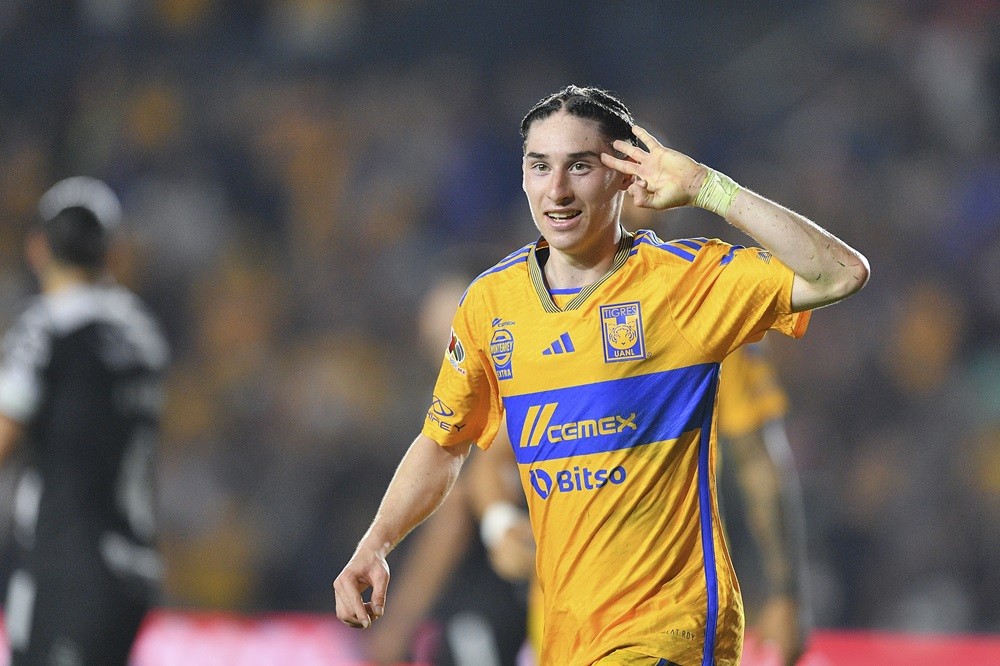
(602, 347)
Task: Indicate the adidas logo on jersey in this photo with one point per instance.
(564, 345)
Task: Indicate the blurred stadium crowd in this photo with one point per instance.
(292, 170)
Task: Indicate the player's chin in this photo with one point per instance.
(563, 237)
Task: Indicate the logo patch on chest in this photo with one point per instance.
(621, 327)
(502, 352)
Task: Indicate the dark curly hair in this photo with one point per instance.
(611, 115)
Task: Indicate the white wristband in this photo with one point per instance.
(717, 193)
(497, 519)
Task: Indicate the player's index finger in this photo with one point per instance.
(629, 149)
(348, 599)
(645, 137)
(624, 166)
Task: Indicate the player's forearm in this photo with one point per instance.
(762, 488)
(769, 482)
(436, 549)
(421, 482)
(828, 269)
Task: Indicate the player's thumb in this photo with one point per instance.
(379, 587)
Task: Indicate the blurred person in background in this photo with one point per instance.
(756, 458)
(605, 550)
(80, 390)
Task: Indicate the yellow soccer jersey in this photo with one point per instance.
(749, 393)
(610, 405)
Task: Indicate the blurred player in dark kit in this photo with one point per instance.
(80, 390)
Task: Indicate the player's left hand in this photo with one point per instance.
(778, 624)
(664, 178)
(367, 569)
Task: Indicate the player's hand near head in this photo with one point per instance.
(367, 569)
(664, 178)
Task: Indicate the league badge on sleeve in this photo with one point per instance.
(621, 326)
(456, 353)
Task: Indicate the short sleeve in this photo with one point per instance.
(25, 353)
(731, 295)
(465, 404)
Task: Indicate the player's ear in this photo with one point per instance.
(626, 181)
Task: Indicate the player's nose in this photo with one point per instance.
(560, 191)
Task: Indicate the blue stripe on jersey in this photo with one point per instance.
(525, 248)
(563, 292)
(610, 415)
(687, 256)
(507, 263)
(707, 539)
(693, 243)
(511, 259)
(651, 239)
(729, 256)
(567, 342)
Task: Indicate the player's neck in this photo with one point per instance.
(565, 270)
(60, 278)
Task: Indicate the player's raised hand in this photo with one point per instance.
(664, 178)
(367, 569)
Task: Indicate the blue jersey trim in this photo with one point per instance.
(693, 243)
(687, 256)
(610, 415)
(507, 263)
(651, 239)
(563, 292)
(511, 259)
(732, 252)
(707, 539)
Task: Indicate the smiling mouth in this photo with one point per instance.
(562, 217)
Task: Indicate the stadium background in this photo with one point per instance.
(291, 169)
